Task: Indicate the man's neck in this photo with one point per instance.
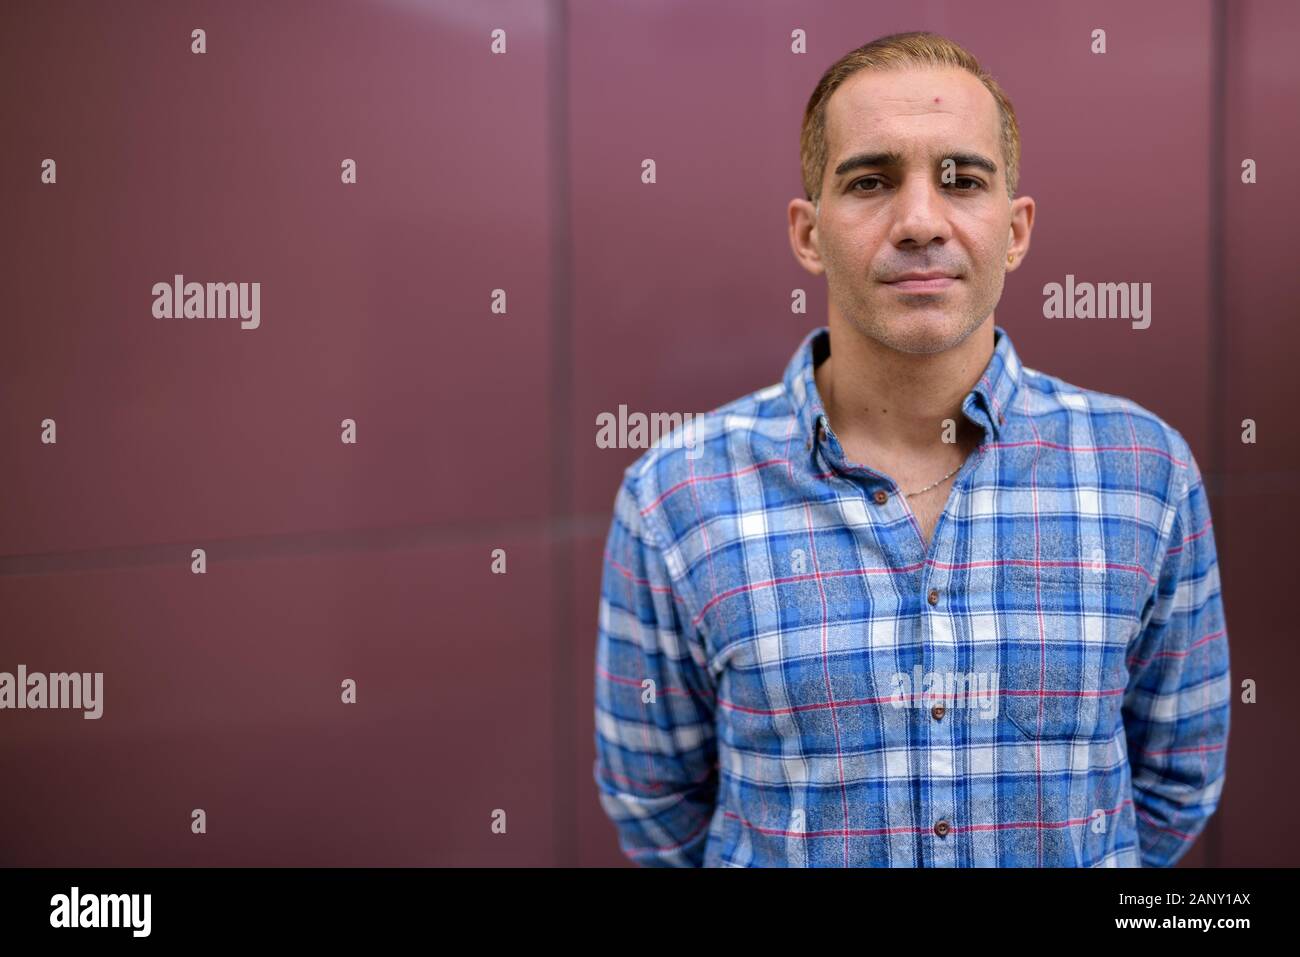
(896, 402)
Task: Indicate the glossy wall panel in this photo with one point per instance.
(223, 692)
(1255, 382)
(375, 298)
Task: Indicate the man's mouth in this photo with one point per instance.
(933, 281)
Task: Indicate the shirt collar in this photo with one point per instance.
(989, 401)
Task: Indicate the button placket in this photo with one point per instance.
(942, 765)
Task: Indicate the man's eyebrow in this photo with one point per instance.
(976, 160)
(868, 159)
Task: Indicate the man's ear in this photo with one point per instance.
(803, 236)
(1022, 224)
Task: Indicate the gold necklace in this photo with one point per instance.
(940, 482)
(821, 426)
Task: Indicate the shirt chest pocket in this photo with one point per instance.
(1065, 632)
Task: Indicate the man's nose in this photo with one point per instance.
(920, 213)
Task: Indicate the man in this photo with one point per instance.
(916, 604)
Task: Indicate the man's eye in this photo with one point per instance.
(971, 184)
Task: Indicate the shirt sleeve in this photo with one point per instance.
(656, 756)
(1177, 703)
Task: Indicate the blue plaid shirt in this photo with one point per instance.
(786, 675)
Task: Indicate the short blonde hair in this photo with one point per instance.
(897, 51)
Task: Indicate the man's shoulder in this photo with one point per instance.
(1074, 416)
(756, 430)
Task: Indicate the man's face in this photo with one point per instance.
(890, 207)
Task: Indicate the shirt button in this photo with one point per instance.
(881, 496)
(1002, 419)
(941, 828)
(933, 597)
(937, 712)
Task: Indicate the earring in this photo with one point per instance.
(1011, 257)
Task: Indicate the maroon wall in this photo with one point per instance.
(475, 429)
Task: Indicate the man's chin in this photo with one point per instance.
(921, 331)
